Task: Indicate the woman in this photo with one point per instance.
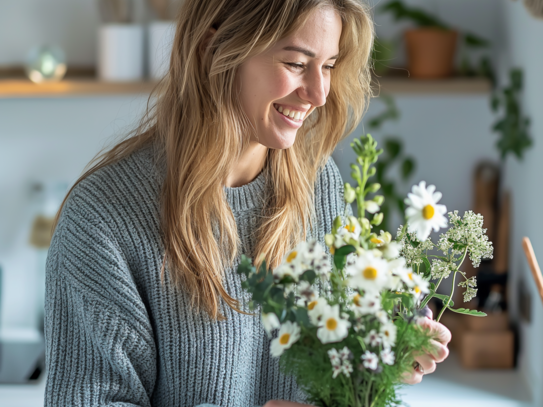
(142, 294)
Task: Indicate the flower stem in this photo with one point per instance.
(445, 306)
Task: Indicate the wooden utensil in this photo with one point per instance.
(534, 266)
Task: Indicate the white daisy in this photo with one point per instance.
(368, 273)
(288, 334)
(388, 334)
(270, 322)
(420, 286)
(370, 360)
(381, 316)
(315, 309)
(364, 305)
(423, 213)
(332, 328)
(387, 356)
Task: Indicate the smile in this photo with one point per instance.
(294, 115)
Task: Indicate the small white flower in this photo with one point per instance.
(423, 213)
(381, 316)
(337, 369)
(371, 206)
(306, 291)
(368, 273)
(334, 356)
(287, 269)
(388, 334)
(373, 339)
(315, 309)
(345, 233)
(345, 353)
(387, 356)
(370, 360)
(288, 334)
(420, 286)
(392, 250)
(332, 328)
(270, 322)
(347, 368)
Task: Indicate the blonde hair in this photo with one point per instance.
(201, 129)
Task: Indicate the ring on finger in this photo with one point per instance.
(418, 367)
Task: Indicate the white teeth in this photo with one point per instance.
(280, 109)
(286, 112)
(302, 116)
(297, 116)
(291, 114)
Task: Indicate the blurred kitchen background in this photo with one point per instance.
(469, 122)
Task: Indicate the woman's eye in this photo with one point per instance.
(329, 67)
(295, 65)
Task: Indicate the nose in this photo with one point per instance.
(314, 88)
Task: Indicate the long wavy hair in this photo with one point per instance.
(196, 119)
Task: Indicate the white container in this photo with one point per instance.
(120, 52)
(161, 36)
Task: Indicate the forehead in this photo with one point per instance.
(320, 33)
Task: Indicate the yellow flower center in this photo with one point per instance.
(376, 241)
(387, 334)
(291, 256)
(350, 228)
(283, 340)
(331, 324)
(370, 273)
(311, 305)
(356, 299)
(332, 250)
(410, 275)
(428, 212)
(417, 289)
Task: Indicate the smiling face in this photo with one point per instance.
(283, 85)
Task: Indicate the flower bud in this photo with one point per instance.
(371, 172)
(350, 194)
(371, 206)
(329, 239)
(365, 224)
(379, 199)
(337, 224)
(374, 187)
(377, 219)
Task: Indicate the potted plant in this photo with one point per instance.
(431, 47)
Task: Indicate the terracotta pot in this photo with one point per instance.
(430, 52)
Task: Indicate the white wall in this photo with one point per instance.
(524, 35)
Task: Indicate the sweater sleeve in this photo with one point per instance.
(100, 348)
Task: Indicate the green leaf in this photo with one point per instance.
(474, 41)
(309, 276)
(301, 316)
(393, 148)
(408, 166)
(466, 311)
(345, 250)
(428, 267)
(444, 298)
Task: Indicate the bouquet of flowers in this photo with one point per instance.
(345, 325)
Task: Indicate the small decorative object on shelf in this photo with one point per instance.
(345, 325)
(161, 36)
(45, 63)
(120, 43)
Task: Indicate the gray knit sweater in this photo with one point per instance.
(116, 337)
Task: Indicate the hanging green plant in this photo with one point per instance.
(513, 126)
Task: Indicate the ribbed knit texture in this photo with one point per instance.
(116, 337)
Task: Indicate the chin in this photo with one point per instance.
(280, 141)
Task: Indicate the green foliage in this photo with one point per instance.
(512, 127)
(417, 15)
(466, 311)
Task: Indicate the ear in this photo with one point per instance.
(207, 39)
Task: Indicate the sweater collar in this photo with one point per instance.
(247, 196)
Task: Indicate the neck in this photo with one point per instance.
(249, 165)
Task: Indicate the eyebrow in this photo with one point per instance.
(304, 51)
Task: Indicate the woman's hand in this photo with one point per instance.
(426, 362)
(283, 403)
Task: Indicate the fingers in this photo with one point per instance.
(438, 330)
(427, 362)
(439, 351)
(414, 377)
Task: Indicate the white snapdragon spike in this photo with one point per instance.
(288, 334)
(332, 328)
(388, 334)
(350, 231)
(368, 273)
(387, 356)
(370, 360)
(384, 238)
(373, 339)
(270, 322)
(371, 206)
(365, 305)
(423, 212)
(315, 310)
